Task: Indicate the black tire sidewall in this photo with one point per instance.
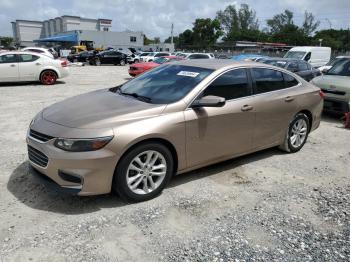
(296, 118)
(119, 180)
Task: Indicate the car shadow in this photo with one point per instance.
(223, 166)
(30, 192)
(58, 82)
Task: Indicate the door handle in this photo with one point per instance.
(12, 65)
(37, 64)
(289, 99)
(246, 108)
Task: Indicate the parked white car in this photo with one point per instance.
(39, 50)
(199, 56)
(153, 55)
(328, 66)
(24, 66)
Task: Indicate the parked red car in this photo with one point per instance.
(139, 68)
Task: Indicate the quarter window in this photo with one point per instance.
(8, 59)
(268, 80)
(231, 85)
(289, 80)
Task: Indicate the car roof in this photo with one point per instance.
(216, 64)
(23, 52)
(284, 59)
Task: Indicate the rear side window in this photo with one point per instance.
(289, 80)
(28, 58)
(267, 80)
(8, 59)
(161, 54)
(231, 85)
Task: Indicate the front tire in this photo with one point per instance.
(143, 172)
(122, 62)
(297, 134)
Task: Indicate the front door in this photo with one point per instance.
(220, 132)
(9, 68)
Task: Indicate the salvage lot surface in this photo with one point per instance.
(268, 206)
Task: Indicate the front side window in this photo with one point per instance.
(28, 58)
(231, 85)
(8, 59)
(293, 67)
(267, 80)
(165, 84)
(161, 54)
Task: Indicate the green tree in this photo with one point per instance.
(310, 24)
(156, 40)
(206, 32)
(280, 22)
(240, 24)
(336, 39)
(6, 41)
(186, 39)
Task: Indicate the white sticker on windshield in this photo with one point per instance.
(187, 73)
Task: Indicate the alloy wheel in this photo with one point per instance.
(298, 133)
(48, 78)
(146, 172)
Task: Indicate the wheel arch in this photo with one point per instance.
(309, 116)
(159, 140)
(49, 69)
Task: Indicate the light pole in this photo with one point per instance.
(320, 40)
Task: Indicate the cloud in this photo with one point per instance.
(154, 17)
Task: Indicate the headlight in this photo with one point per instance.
(82, 145)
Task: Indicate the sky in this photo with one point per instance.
(154, 17)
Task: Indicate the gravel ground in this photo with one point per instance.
(267, 206)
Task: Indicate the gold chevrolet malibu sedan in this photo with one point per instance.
(131, 139)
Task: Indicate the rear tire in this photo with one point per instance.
(48, 77)
(297, 134)
(143, 172)
(97, 62)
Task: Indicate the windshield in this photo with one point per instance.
(160, 60)
(341, 68)
(295, 55)
(165, 84)
(281, 64)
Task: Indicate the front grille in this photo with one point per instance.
(39, 136)
(334, 92)
(37, 157)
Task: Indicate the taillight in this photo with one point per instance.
(64, 63)
(321, 94)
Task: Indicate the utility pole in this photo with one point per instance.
(172, 33)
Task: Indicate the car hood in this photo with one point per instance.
(339, 83)
(99, 109)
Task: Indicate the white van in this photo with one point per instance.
(316, 55)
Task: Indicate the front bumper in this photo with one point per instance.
(81, 173)
(135, 72)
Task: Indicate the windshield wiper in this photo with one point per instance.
(135, 95)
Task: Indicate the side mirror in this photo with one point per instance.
(209, 101)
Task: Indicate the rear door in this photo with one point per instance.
(29, 67)
(274, 105)
(9, 68)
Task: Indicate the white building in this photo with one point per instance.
(74, 29)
